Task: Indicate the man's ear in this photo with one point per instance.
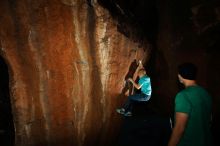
(180, 78)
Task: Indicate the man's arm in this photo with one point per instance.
(178, 130)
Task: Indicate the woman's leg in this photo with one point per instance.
(128, 104)
(136, 97)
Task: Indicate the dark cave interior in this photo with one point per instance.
(6, 122)
(136, 19)
(176, 31)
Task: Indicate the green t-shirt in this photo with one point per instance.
(195, 102)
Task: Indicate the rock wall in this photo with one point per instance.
(67, 64)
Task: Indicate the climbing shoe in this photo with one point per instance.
(128, 114)
(120, 111)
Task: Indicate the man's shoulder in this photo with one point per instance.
(196, 90)
(181, 94)
(201, 89)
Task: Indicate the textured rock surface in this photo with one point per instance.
(67, 63)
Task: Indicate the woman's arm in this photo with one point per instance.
(137, 86)
(140, 65)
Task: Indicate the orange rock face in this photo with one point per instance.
(67, 65)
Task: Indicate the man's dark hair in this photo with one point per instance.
(188, 71)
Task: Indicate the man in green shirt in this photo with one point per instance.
(192, 111)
